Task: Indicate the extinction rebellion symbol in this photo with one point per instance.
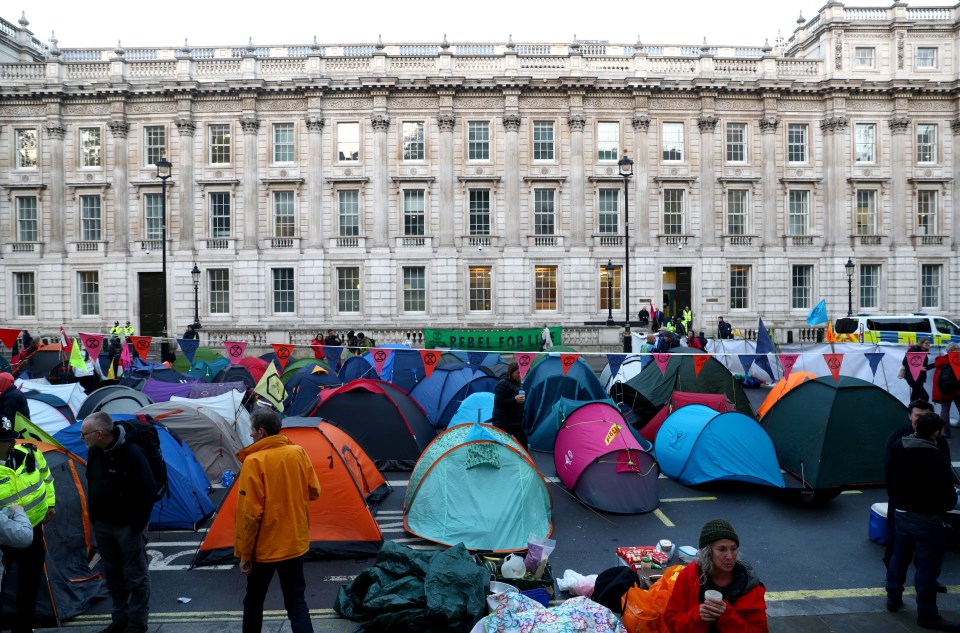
(236, 350)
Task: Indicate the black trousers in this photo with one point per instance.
(29, 564)
(292, 585)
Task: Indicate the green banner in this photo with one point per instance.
(527, 340)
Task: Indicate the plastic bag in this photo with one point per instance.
(577, 584)
(643, 608)
(538, 551)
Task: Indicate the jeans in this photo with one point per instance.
(124, 554)
(919, 537)
(292, 584)
(29, 562)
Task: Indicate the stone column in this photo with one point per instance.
(954, 228)
(769, 188)
(381, 180)
(119, 129)
(707, 125)
(511, 177)
(446, 123)
(55, 132)
(900, 226)
(315, 181)
(834, 154)
(186, 129)
(251, 201)
(641, 177)
(577, 177)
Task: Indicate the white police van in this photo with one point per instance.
(896, 329)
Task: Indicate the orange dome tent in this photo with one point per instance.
(782, 387)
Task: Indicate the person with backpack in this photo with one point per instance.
(121, 492)
(946, 387)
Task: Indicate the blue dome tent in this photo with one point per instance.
(440, 395)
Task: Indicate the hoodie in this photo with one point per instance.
(120, 484)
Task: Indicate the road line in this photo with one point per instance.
(399, 484)
(660, 515)
(852, 492)
(688, 499)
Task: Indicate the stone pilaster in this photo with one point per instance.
(769, 189)
(119, 130)
(315, 125)
(186, 131)
(577, 123)
(446, 123)
(381, 179)
(835, 221)
(708, 216)
(251, 201)
(511, 177)
(641, 176)
(55, 133)
(900, 220)
(954, 229)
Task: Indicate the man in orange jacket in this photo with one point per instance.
(273, 536)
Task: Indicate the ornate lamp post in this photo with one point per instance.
(196, 296)
(609, 267)
(164, 168)
(626, 170)
(849, 266)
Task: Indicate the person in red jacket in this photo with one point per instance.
(741, 609)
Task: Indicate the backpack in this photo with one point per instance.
(947, 380)
(144, 434)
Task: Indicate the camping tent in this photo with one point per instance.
(716, 401)
(402, 366)
(603, 464)
(256, 367)
(833, 433)
(229, 405)
(113, 399)
(781, 387)
(182, 364)
(631, 365)
(477, 407)
(71, 393)
(476, 485)
(294, 367)
(236, 373)
(696, 445)
(40, 363)
(303, 390)
(49, 412)
(543, 436)
(357, 367)
(390, 426)
(440, 395)
(163, 390)
(341, 524)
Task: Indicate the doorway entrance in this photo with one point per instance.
(151, 304)
(676, 290)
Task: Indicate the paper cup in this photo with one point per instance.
(713, 594)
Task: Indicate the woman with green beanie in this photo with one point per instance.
(718, 593)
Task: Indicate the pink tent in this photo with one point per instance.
(679, 399)
(603, 464)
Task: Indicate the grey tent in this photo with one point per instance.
(114, 399)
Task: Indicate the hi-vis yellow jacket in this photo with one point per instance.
(29, 483)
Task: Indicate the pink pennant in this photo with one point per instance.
(954, 358)
(430, 359)
(915, 361)
(141, 345)
(834, 361)
(787, 361)
(235, 350)
(662, 361)
(92, 343)
(283, 352)
(524, 359)
(9, 336)
(698, 362)
(567, 360)
(125, 359)
(379, 357)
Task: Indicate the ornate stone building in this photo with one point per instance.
(477, 185)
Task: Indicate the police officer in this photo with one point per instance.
(128, 329)
(116, 330)
(25, 480)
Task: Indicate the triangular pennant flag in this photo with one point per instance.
(787, 361)
(614, 361)
(235, 350)
(283, 352)
(379, 357)
(662, 361)
(141, 345)
(92, 343)
(764, 347)
(476, 358)
(831, 337)
(430, 359)
(76, 356)
(8, 336)
(334, 352)
(747, 361)
(189, 347)
(699, 360)
(833, 362)
(916, 361)
(524, 359)
(874, 359)
(954, 358)
(567, 361)
(125, 359)
(111, 375)
(271, 388)
(64, 344)
(30, 431)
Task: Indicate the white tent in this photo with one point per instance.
(229, 406)
(71, 393)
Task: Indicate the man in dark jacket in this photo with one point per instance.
(121, 493)
(508, 405)
(12, 400)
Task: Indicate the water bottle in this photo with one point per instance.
(522, 393)
(226, 480)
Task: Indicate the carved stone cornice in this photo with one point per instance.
(955, 126)
(119, 128)
(56, 130)
(249, 124)
(511, 122)
(640, 122)
(899, 125)
(577, 122)
(314, 123)
(446, 122)
(186, 127)
(768, 124)
(380, 122)
(707, 123)
(834, 124)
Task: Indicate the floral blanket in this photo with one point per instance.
(513, 612)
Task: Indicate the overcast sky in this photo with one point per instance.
(212, 23)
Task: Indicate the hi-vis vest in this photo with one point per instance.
(32, 490)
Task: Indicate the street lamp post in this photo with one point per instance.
(626, 170)
(609, 268)
(163, 173)
(849, 266)
(196, 296)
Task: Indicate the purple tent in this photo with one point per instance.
(160, 391)
(210, 389)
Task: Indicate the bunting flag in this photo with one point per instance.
(141, 345)
(476, 358)
(787, 361)
(699, 360)
(283, 353)
(125, 360)
(834, 361)
(334, 352)
(76, 357)
(747, 361)
(430, 359)
(662, 361)
(874, 359)
(831, 337)
(954, 359)
(235, 350)
(379, 357)
(92, 343)
(30, 431)
(567, 361)
(8, 336)
(614, 361)
(271, 388)
(189, 347)
(915, 362)
(64, 344)
(111, 375)
(764, 347)
(524, 359)
(819, 314)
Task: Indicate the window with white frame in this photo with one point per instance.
(220, 216)
(673, 211)
(220, 148)
(866, 212)
(798, 212)
(544, 211)
(153, 216)
(931, 281)
(865, 142)
(672, 142)
(90, 147)
(348, 142)
(736, 142)
(927, 220)
(348, 289)
(478, 140)
(613, 295)
(90, 220)
(414, 216)
(26, 149)
(869, 295)
(864, 56)
(28, 223)
(284, 218)
(414, 289)
(218, 284)
(798, 137)
(801, 286)
(479, 211)
(608, 207)
(543, 140)
(413, 143)
(736, 212)
(348, 212)
(608, 141)
(24, 294)
(283, 143)
(739, 287)
(926, 143)
(926, 57)
(480, 287)
(545, 288)
(284, 298)
(88, 292)
(154, 144)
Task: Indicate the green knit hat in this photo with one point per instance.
(716, 530)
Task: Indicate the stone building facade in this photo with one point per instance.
(477, 185)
